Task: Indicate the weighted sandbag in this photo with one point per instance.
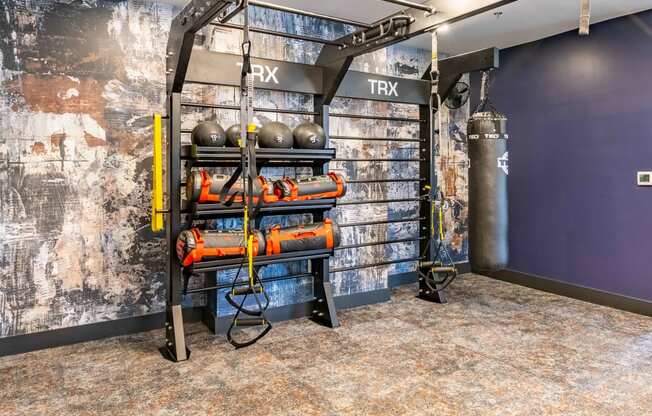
(309, 135)
(332, 185)
(203, 187)
(196, 245)
(322, 235)
(275, 135)
(488, 215)
(208, 133)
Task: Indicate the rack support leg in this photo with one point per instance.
(430, 295)
(175, 340)
(324, 311)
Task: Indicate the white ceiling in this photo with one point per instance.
(521, 22)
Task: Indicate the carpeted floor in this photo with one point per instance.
(495, 349)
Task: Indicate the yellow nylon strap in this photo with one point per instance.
(251, 128)
(441, 223)
(250, 259)
(157, 176)
(432, 219)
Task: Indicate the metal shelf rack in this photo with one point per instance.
(329, 76)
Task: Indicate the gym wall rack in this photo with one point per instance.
(330, 76)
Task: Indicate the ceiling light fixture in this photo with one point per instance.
(443, 28)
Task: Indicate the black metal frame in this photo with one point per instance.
(324, 311)
(334, 61)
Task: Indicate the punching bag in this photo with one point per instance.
(488, 216)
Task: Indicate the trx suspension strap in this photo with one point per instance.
(249, 172)
(440, 264)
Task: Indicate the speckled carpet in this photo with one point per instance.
(495, 349)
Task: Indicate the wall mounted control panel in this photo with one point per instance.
(644, 178)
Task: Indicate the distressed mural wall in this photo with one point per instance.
(79, 80)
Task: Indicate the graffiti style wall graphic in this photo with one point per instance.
(79, 81)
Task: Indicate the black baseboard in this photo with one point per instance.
(220, 324)
(407, 278)
(578, 292)
(400, 279)
(65, 336)
(463, 268)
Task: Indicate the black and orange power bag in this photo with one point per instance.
(195, 245)
(331, 185)
(322, 235)
(203, 187)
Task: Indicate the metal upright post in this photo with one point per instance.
(175, 343)
(428, 187)
(323, 310)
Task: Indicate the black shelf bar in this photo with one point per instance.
(381, 263)
(385, 180)
(224, 264)
(280, 34)
(378, 201)
(223, 154)
(204, 211)
(257, 109)
(245, 283)
(378, 139)
(380, 243)
(370, 117)
(379, 160)
(359, 224)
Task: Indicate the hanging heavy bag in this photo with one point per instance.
(196, 245)
(202, 187)
(275, 135)
(332, 185)
(209, 134)
(488, 215)
(322, 235)
(309, 135)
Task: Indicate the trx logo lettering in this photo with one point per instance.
(503, 163)
(263, 72)
(381, 87)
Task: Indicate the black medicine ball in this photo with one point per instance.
(208, 133)
(275, 134)
(309, 135)
(233, 135)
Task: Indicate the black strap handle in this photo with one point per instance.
(238, 344)
(229, 298)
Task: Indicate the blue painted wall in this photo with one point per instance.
(580, 111)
